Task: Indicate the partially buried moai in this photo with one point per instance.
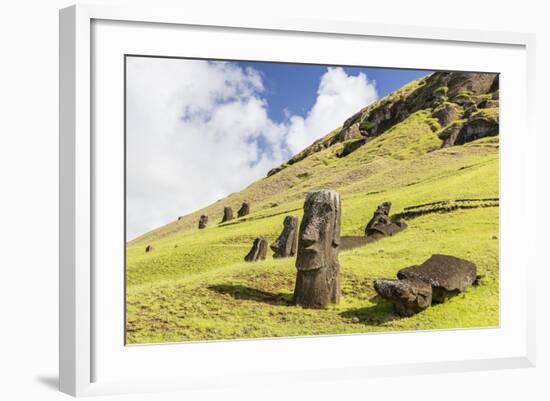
(285, 245)
(381, 225)
(318, 276)
(203, 221)
(258, 250)
(244, 210)
(227, 214)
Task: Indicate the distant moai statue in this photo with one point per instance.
(285, 245)
(149, 248)
(380, 217)
(381, 225)
(244, 210)
(227, 214)
(258, 250)
(203, 221)
(318, 276)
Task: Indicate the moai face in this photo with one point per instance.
(319, 237)
(384, 208)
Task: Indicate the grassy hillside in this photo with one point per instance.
(196, 286)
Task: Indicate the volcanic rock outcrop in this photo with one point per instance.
(436, 280)
(285, 245)
(464, 104)
(318, 269)
(258, 250)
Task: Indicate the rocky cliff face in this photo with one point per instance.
(466, 105)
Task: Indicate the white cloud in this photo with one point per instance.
(338, 97)
(193, 129)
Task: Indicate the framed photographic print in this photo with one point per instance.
(277, 200)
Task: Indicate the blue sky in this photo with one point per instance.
(294, 86)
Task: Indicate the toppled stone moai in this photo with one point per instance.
(149, 248)
(258, 250)
(244, 210)
(436, 280)
(203, 221)
(380, 225)
(227, 214)
(285, 245)
(318, 269)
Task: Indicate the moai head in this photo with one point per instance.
(384, 208)
(319, 236)
(285, 245)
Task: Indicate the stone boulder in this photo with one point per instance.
(203, 221)
(258, 250)
(448, 275)
(227, 214)
(244, 210)
(407, 296)
(285, 245)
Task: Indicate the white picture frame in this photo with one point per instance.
(82, 345)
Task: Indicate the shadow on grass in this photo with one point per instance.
(252, 294)
(376, 315)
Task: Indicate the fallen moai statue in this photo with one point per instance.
(285, 245)
(318, 275)
(227, 214)
(380, 225)
(203, 221)
(258, 250)
(436, 280)
(244, 210)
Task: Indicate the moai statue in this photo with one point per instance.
(203, 221)
(380, 218)
(227, 214)
(244, 210)
(380, 225)
(258, 250)
(318, 276)
(285, 245)
(149, 248)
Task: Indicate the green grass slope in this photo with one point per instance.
(196, 286)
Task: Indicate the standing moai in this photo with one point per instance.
(318, 276)
(285, 245)
(244, 210)
(203, 221)
(258, 250)
(227, 214)
(149, 248)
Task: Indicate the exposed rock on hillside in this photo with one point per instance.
(465, 105)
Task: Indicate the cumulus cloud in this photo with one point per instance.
(338, 97)
(199, 130)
